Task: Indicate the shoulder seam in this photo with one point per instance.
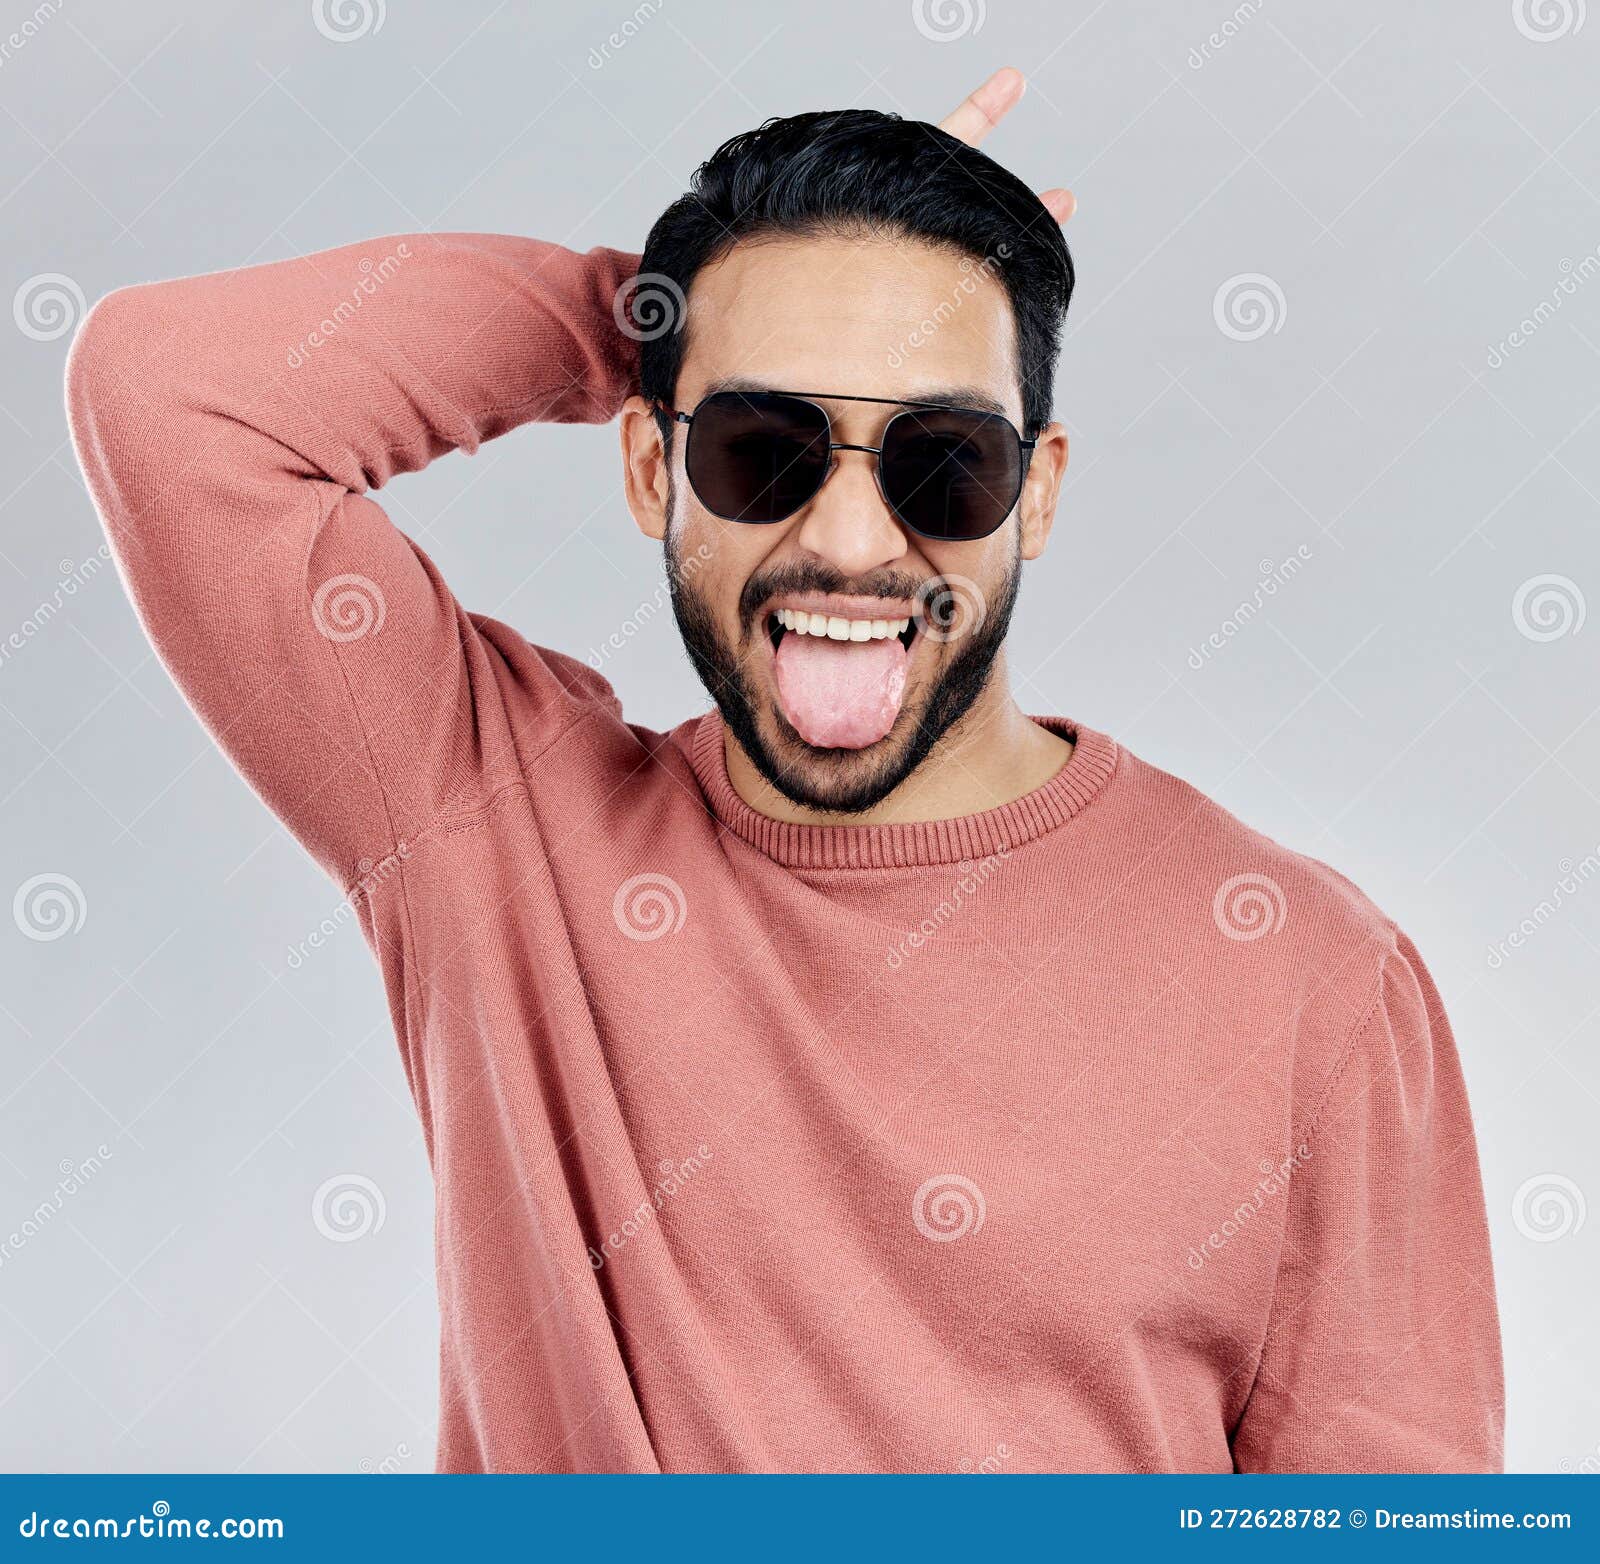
(467, 818)
(1347, 1051)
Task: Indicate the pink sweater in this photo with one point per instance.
(1093, 1133)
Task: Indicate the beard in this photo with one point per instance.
(837, 781)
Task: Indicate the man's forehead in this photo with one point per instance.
(866, 317)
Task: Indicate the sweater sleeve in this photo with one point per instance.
(1383, 1348)
(232, 428)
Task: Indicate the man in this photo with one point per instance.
(863, 1076)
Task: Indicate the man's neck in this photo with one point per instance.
(993, 755)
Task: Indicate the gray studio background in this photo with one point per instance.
(1327, 548)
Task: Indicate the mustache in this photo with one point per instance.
(815, 576)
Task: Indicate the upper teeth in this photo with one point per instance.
(837, 629)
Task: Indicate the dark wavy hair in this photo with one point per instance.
(862, 171)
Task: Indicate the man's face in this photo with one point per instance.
(839, 723)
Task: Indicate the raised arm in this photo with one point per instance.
(231, 427)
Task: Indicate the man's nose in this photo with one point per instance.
(847, 524)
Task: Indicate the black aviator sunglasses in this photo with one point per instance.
(951, 474)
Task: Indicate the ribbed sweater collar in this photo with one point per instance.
(924, 842)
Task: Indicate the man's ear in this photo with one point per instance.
(645, 467)
(1036, 508)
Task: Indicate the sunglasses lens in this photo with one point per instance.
(756, 456)
(950, 474)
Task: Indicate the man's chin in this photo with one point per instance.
(852, 781)
(937, 695)
(836, 781)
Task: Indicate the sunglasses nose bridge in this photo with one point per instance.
(852, 532)
(834, 447)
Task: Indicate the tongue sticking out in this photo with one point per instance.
(840, 694)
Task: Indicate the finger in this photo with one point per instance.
(1060, 204)
(986, 107)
